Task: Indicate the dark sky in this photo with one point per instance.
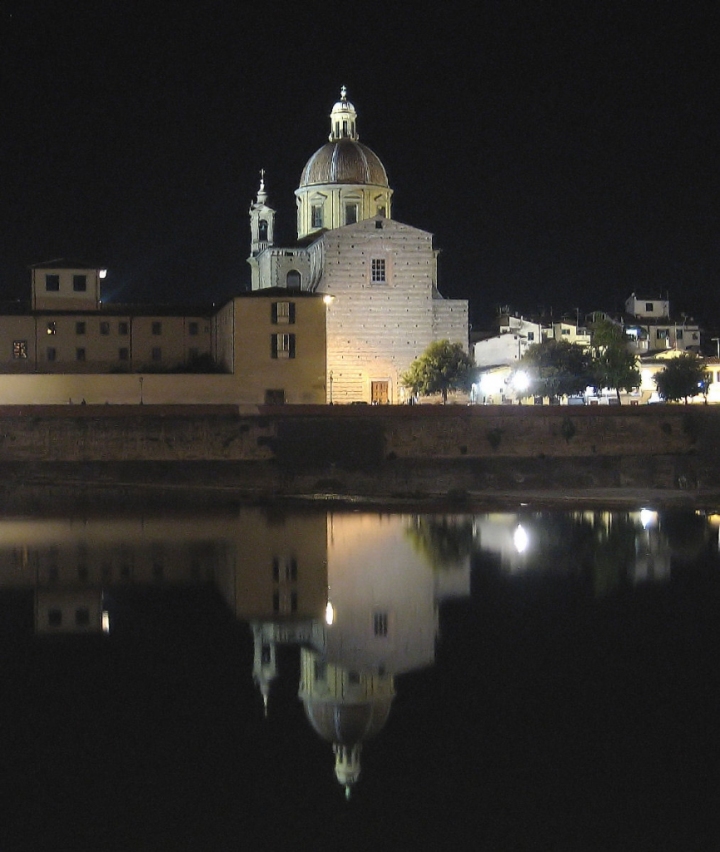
(563, 153)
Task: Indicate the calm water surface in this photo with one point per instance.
(267, 680)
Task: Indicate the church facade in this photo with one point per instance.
(379, 276)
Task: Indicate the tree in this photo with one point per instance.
(683, 377)
(614, 366)
(442, 367)
(556, 368)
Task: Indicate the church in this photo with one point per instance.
(379, 276)
(337, 318)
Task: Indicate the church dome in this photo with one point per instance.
(344, 161)
(348, 724)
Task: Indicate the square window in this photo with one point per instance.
(193, 328)
(156, 353)
(51, 353)
(123, 329)
(52, 328)
(649, 307)
(123, 354)
(20, 351)
(52, 283)
(157, 328)
(104, 328)
(79, 328)
(378, 271)
(79, 283)
(80, 354)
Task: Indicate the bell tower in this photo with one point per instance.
(262, 228)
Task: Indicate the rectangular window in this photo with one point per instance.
(649, 307)
(661, 334)
(52, 328)
(351, 214)
(193, 328)
(193, 354)
(679, 334)
(566, 331)
(105, 328)
(79, 283)
(123, 354)
(282, 345)
(275, 396)
(79, 328)
(51, 353)
(531, 336)
(52, 283)
(380, 623)
(123, 329)
(20, 351)
(80, 354)
(157, 328)
(317, 216)
(283, 313)
(156, 353)
(378, 270)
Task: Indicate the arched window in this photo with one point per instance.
(292, 282)
(262, 230)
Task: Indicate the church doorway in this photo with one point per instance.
(379, 393)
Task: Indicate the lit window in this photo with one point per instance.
(282, 345)
(79, 283)
(378, 270)
(104, 328)
(157, 328)
(52, 283)
(79, 328)
(20, 351)
(156, 353)
(52, 328)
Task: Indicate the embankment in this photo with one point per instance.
(373, 452)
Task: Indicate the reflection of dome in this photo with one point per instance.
(344, 161)
(348, 724)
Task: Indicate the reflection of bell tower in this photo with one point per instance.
(346, 708)
(262, 227)
(264, 662)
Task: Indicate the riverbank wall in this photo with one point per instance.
(370, 451)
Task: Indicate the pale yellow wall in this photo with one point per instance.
(303, 377)
(65, 299)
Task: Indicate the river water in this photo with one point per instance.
(270, 679)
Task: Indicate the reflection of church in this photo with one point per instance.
(351, 591)
(381, 274)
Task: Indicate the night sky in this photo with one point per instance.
(563, 153)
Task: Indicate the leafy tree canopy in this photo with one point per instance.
(606, 333)
(615, 367)
(683, 377)
(442, 367)
(556, 368)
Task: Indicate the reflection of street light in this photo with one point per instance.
(520, 539)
